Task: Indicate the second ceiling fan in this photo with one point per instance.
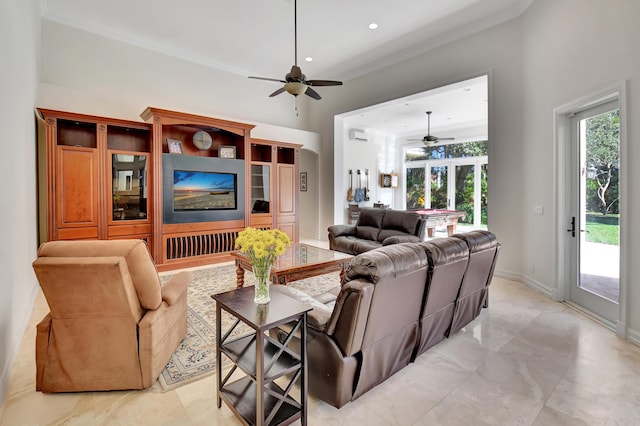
(429, 139)
(295, 82)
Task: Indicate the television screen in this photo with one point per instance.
(194, 190)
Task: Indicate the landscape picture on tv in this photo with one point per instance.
(195, 190)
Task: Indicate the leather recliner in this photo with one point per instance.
(397, 302)
(474, 291)
(111, 325)
(363, 332)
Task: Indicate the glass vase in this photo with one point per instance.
(261, 287)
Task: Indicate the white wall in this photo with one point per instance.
(496, 51)
(308, 207)
(571, 49)
(20, 51)
(377, 155)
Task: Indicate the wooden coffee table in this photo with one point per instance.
(298, 262)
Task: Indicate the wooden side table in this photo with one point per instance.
(255, 398)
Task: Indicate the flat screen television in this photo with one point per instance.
(199, 190)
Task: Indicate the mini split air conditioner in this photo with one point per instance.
(357, 135)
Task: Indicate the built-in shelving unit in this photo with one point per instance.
(95, 177)
(108, 178)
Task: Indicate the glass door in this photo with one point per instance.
(129, 186)
(439, 194)
(595, 224)
(416, 184)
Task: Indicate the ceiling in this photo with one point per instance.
(256, 37)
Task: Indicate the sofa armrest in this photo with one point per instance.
(396, 239)
(349, 317)
(318, 317)
(176, 287)
(341, 230)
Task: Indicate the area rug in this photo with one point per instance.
(195, 358)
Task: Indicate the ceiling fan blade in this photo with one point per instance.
(415, 140)
(446, 139)
(323, 83)
(312, 93)
(277, 92)
(268, 79)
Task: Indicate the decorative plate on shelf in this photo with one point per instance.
(202, 140)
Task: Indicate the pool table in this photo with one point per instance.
(438, 217)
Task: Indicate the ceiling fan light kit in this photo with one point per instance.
(295, 82)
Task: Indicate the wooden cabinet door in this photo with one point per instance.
(77, 190)
(286, 190)
(287, 201)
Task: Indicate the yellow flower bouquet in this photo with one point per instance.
(262, 247)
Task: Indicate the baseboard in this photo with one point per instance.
(528, 281)
(633, 336)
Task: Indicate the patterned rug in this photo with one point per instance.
(195, 358)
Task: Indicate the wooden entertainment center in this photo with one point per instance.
(108, 178)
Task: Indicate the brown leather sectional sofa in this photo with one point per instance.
(397, 302)
(375, 228)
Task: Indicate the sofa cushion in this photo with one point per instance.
(397, 239)
(389, 261)
(141, 267)
(478, 240)
(360, 246)
(367, 232)
(443, 251)
(397, 222)
(369, 223)
(371, 217)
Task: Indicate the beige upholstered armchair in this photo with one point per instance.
(111, 325)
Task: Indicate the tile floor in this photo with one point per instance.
(525, 360)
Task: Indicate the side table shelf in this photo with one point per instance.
(255, 398)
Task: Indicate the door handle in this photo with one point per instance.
(573, 227)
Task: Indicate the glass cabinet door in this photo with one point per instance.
(129, 187)
(260, 188)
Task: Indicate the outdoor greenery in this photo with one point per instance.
(452, 150)
(603, 162)
(464, 178)
(603, 233)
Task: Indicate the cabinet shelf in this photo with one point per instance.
(241, 397)
(243, 353)
(255, 397)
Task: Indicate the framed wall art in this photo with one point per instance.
(303, 181)
(175, 146)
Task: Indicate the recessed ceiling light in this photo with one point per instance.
(467, 89)
(308, 59)
(373, 26)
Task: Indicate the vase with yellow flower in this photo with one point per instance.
(262, 247)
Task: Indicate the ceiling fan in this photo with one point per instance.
(295, 82)
(430, 139)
